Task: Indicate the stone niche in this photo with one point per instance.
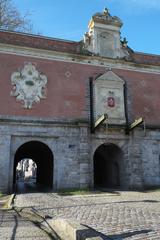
(109, 98)
(107, 44)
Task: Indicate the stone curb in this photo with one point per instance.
(10, 201)
(69, 230)
(2, 203)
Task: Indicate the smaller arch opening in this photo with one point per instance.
(107, 163)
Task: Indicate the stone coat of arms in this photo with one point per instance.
(29, 85)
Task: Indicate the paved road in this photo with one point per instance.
(18, 225)
(119, 215)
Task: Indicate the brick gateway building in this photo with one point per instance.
(52, 92)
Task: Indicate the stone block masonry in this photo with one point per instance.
(67, 142)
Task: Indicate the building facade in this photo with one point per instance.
(87, 113)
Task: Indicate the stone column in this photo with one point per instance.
(84, 161)
(4, 162)
(135, 171)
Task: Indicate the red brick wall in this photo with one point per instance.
(143, 90)
(39, 42)
(146, 58)
(65, 96)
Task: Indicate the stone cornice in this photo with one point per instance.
(78, 59)
(36, 121)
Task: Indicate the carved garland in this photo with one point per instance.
(29, 85)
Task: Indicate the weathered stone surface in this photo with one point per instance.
(68, 229)
(118, 215)
(73, 149)
(65, 143)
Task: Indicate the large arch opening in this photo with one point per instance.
(41, 157)
(107, 161)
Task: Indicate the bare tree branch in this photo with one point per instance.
(11, 19)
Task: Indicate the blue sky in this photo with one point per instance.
(68, 19)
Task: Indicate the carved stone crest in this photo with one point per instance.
(29, 85)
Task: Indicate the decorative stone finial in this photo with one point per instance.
(124, 42)
(106, 11)
(106, 18)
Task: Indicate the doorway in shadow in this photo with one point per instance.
(107, 161)
(37, 157)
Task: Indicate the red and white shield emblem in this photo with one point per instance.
(111, 102)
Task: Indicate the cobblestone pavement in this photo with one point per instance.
(119, 215)
(14, 226)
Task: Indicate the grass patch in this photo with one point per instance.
(1, 194)
(152, 189)
(71, 192)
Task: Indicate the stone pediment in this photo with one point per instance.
(110, 76)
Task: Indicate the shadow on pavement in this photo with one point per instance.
(13, 220)
(23, 187)
(128, 234)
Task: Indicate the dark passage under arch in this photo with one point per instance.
(41, 154)
(107, 160)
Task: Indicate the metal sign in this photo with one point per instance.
(100, 120)
(136, 123)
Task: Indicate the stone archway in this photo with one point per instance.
(41, 154)
(107, 161)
